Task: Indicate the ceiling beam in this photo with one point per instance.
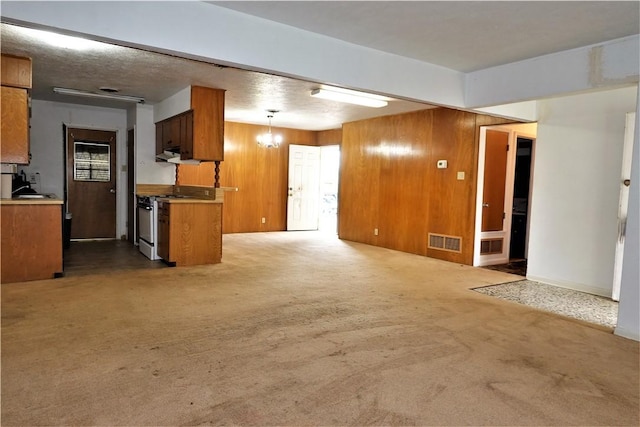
(602, 66)
(202, 31)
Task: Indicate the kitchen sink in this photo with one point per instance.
(32, 196)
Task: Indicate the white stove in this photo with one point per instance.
(148, 226)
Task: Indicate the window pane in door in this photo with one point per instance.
(91, 162)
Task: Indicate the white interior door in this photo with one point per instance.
(623, 204)
(304, 187)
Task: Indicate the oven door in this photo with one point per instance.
(150, 251)
(145, 215)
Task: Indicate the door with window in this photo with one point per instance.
(91, 183)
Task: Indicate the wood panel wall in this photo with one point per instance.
(389, 180)
(261, 176)
(330, 137)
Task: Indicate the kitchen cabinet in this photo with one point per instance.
(171, 134)
(14, 129)
(197, 133)
(31, 240)
(189, 231)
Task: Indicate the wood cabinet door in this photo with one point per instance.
(186, 135)
(15, 126)
(16, 71)
(208, 123)
(170, 135)
(195, 230)
(31, 242)
(163, 232)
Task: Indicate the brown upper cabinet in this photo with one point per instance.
(16, 71)
(14, 132)
(197, 133)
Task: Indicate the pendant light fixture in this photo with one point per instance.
(269, 139)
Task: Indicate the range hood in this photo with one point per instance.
(172, 157)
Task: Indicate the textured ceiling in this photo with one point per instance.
(156, 76)
(460, 35)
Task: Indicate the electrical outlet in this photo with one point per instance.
(33, 178)
(264, 220)
(461, 176)
(206, 192)
(375, 231)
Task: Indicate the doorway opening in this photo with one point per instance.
(504, 190)
(312, 202)
(329, 175)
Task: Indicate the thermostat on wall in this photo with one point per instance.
(442, 164)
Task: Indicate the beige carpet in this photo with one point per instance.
(297, 329)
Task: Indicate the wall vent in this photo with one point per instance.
(491, 246)
(445, 243)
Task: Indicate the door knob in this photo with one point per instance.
(113, 191)
(485, 205)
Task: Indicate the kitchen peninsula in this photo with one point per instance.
(187, 229)
(31, 239)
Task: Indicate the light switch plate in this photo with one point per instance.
(461, 176)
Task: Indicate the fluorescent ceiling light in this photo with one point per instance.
(70, 42)
(350, 97)
(113, 96)
(63, 41)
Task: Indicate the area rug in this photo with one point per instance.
(566, 302)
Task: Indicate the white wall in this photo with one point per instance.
(48, 146)
(578, 156)
(177, 103)
(148, 171)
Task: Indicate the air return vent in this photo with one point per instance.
(490, 246)
(445, 243)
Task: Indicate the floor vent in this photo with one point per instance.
(445, 243)
(491, 246)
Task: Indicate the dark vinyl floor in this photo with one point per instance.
(104, 256)
(518, 267)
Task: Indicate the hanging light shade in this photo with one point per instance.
(268, 139)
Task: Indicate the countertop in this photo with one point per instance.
(49, 199)
(186, 200)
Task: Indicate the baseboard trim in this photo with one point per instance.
(571, 285)
(627, 333)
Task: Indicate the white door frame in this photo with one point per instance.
(505, 234)
(328, 153)
(623, 204)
